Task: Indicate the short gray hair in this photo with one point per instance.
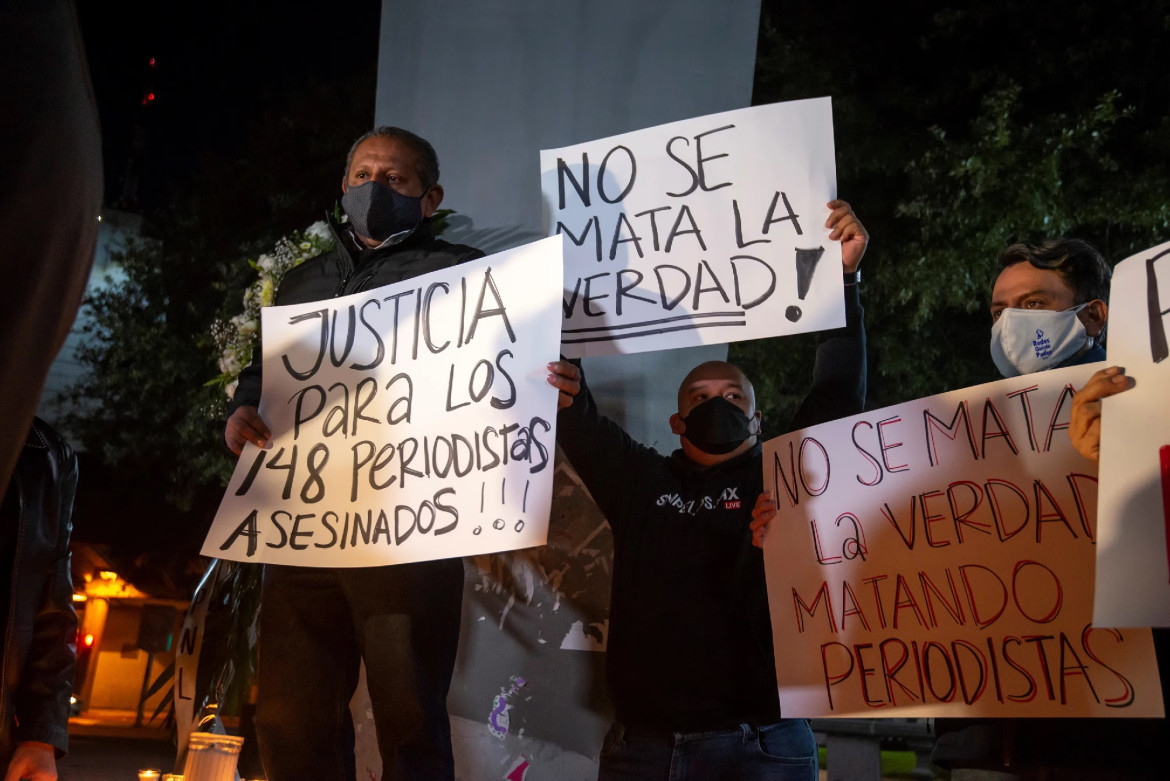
(424, 154)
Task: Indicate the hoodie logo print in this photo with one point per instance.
(729, 500)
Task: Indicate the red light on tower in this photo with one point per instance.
(152, 62)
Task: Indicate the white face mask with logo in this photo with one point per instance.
(1032, 340)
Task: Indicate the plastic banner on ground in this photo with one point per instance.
(410, 422)
(935, 558)
(703, 231)
(1133, 555)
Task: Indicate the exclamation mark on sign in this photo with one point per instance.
(806, 264)
(1164, 457)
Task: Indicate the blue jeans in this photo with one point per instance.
(316, 625)
(783, 751)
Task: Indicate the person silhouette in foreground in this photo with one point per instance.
(36, 603)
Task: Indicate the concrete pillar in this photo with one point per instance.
(491, 83)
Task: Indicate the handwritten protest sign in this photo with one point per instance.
(697, 232)
(410, 422)
(1133, 576)
(935, 558)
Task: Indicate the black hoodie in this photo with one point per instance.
(690, 639)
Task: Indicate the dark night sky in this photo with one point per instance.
(219, 65)
(222, 67)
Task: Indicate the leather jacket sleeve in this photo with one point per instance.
(41, 700)
(249, 384)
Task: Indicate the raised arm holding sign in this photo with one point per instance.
(689, 653)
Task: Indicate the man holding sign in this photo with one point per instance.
(402, 620)
(1048, 310)
(689, 656)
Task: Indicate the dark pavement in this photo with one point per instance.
(104, 758)
(104, 745)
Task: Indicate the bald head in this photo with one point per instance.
(716, 378)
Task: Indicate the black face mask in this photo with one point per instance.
(378, 212)
(717, 426)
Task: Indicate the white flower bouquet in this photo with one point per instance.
(237, 336)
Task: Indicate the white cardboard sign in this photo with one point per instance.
(702, 231)
(410, 422)
(1133, 576)
(935, 558)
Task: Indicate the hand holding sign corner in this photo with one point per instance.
(245, 425)
(1085, 422)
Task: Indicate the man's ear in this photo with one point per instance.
(759, 420)
(676, 425)
(431, 200)
(1094, 316)
(344, 184)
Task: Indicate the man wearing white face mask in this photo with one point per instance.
(1048, 307)
(1048, 311)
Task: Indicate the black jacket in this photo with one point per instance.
(690, 638)
(344, 270)
(40, 627)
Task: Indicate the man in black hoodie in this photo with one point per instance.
(317, 624)
(689, 657)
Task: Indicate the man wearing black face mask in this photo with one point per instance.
(402, 620)
(690, 664)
